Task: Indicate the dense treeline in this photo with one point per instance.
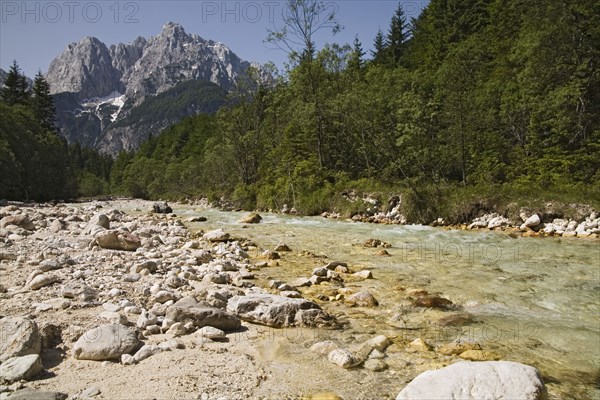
(471, 99)
(170, 165)
(471, 104)
(35, 163)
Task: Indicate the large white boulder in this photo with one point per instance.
(18, 368)
(465, 380)
(105, 342)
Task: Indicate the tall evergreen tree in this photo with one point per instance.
(379, 47)
(397, 35)
(15, 87)
(42, 103)
(356, 59)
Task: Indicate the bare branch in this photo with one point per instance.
(301, 20)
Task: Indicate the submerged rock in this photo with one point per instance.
(375, 365)
(432, 302)
(343, 358)
(282, 247)
(478, 355)
(252, 218)
(362, 299)
(456, 348)
(374, 243)
(364, 274)
(419, 345)
(324, 348)
(477, 380)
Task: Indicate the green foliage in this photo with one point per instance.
(91, 185)
(15, 89)
(397, 36)
(34, 163)
(176, 103)
(172, 165)
(483, 103)
(42, 103)
(380, 45)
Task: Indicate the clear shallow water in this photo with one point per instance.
(534, 300)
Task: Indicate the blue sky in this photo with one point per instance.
(34, 32)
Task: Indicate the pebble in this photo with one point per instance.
(324, 348)
(210, 332)
(365, 274)
(43, 280)
(112, 307)
(419, 345)
(113, 317)
(456, 348)
(170, 345)
(91, 392)
(362, 299)
(343, 358)
(375, 365)
(177, 329)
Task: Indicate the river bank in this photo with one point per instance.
(419, 315)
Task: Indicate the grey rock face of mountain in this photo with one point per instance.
(84, 68)
(124, 56)
(96, 86)
(175, 56)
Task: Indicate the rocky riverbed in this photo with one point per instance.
(522, 221)
(110, 300)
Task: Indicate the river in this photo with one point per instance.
(530, 300)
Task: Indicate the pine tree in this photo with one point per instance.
(397, 35)
(42, 103)
(380, 46)
(356, 59)
(15, 87)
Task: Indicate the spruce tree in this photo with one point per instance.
(42, 103)
(15, 87)
(397, 35)
(356, 60)
(379, 46)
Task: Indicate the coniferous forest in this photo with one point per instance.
(475, 102)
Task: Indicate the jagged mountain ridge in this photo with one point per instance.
(96, 86)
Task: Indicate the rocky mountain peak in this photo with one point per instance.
(84, 68)
(99, 86)
(173, 29)
(125, 55)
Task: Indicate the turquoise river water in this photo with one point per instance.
(531, 300)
